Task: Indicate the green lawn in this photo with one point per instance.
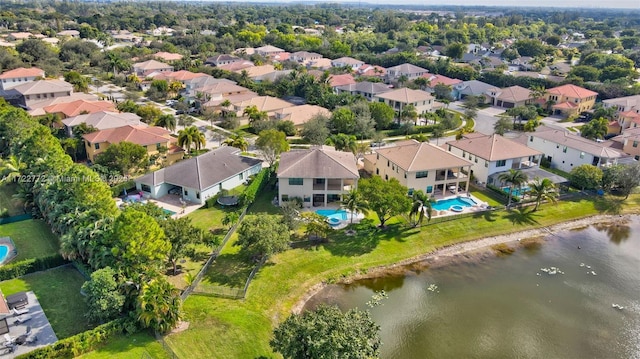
(7, 191)
(33, 238)
(242, 328)
(58, 291)
(131, 346)
(486, 195)
(230, 269)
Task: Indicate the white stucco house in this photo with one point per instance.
(320, 175)
(201, 177)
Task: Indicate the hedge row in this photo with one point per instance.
(81, 343)
(118, 189)
(18, 269)
(249, 195)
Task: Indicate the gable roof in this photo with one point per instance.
(167, 56)
(204, 171)
(414, 156)
(406, 95)
(264, 103)
(365, 87)
(631, 102)
(347, 60)
(255, 71)
(493, 147)
(268, 49)
(77, 107)
(22, 72)
(182, 75)
(341, 80)
(440, 79)
(104, 119)
(601, 149)
(572, 91)
(43, 86)
(301, 114)
(138, 134)
(220, 58)
(473, 87)
(318, 162)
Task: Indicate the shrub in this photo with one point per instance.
(118, 189)
(4, 213)
(18, 269)
(249, 194)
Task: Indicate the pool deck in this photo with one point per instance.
(343, 223)
(11, 250)
(478, 207)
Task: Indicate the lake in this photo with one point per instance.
(481, 305)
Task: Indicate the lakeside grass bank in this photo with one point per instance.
(225, 328)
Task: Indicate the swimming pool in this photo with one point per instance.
(445, 204)
(516, 191)
(340, 214)
(4, 251)
(169, 212)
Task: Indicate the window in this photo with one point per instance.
(285, 197)
(158, 145)
(405, 175)
(530, 138)
(564, 150)
(476, 159)
(296, 181)
(145, 188)
(198, 195)
(377, 171)
(422, 174)
(429, 189)
(387, 163)
(464, 154)
(635, 143)
(581, 154)
(486, 163)
(241, 176)
(306, 199)
(377, 156)
(637, 158)
(186, 193)
(393, 167)
(386, 177)
(96, 146)
(501, 163)
(220, 187)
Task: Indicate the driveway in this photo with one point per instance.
(486, 118)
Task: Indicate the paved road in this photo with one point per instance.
(485, 120)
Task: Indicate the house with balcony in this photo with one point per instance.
(629, 141)
(411, 72)
(319, 176)
(568, 100)
(201, 177)
(154, 139)
(304, 57)
(400, 98)
(491, 155)
(12, 78)
(565, 150)
(421, 166)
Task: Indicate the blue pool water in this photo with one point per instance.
(4, 251)
(516, 191)
(171, 213)
(445, 204)
(340, 214)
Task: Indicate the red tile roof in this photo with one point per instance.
(22, 72)
(138, 134)
(78, 107)
(567, 105)
(572, 91)
(341, 80)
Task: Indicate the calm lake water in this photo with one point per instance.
(506, 307)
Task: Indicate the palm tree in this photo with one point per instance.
(354, 202)
(543, 189)
(236, 140)
(158, 305)
(537, 92)
(515, 178)
(116, 62)
(166, 121)
(421, 208)
(191, 136)
(11, 169)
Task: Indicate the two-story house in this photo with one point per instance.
(409, 71)
(154, 139)
(493, 154)
(568, 100)
(435, 80)
(33, 92)
(146, 67)
(400, 98)
(268, 50)
(301, 114)
(421, 166)
(304, 57)
(267, 104)
(365, 89)
(12, 78)
(630, 142)
(78, 107)
(223, 59)
(102, 120)
(509, 97)
(347, 62)
(319, 175)
(627, 110)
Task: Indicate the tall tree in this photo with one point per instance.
(166, 121)
(543, 190)
(386, 198)
(629, 179)
(263, 235)
(595, 129)
(181, 234)
(354, 202)
(585, 176)
(382, 114)
(237, 140)
(515, 178)
(124, 157)
(420, 208)
(327, 333)
(102, 296)
(316, 131)
(158, 305)
(191, 136)
(271, 144)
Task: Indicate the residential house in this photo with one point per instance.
(69, 33)
(222, 59)
(79, 107)
(470, 88)
(102, 120)
(35, 91)
(523, 63)
(411, 72)
(161, 31)
(347, 62)
(630, 142)
(19, 36)
(201, 177)
(125, 36)
(301, 114)
(167, 56)
(372, 71)
(154, 139)
(322, 63)
(143, 68)
(509, 97)
(304, 57)
(341, 80)
(268, 50)
(267, 104)
(568, 100)
(319, 175)
(435, 80)
(421, 166)
(19, 76)
(182, 76)
(281, 57)
(215, 94)
(255, 71)
(237, 66)
(365, 89)
(271, 76)
(400, 98)
(37, 108)
(627, 110)
(565, 150)
(493, 154)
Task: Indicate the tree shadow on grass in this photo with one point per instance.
(609, 204)
(366, 238)
(488, 215)
(522, 216)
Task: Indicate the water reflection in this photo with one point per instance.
(617, 232)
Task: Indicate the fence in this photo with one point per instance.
(167, 348)
(229, 292)
(18, 218)
(212, 258)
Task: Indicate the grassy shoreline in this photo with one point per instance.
(225, 328)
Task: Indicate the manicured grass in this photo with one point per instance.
(58, 291)
(33, 238)
(132, 346)
(210, 218)
(262, 203)
(242, 328)
(7, 191)
(230, 269)
(492, 198)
